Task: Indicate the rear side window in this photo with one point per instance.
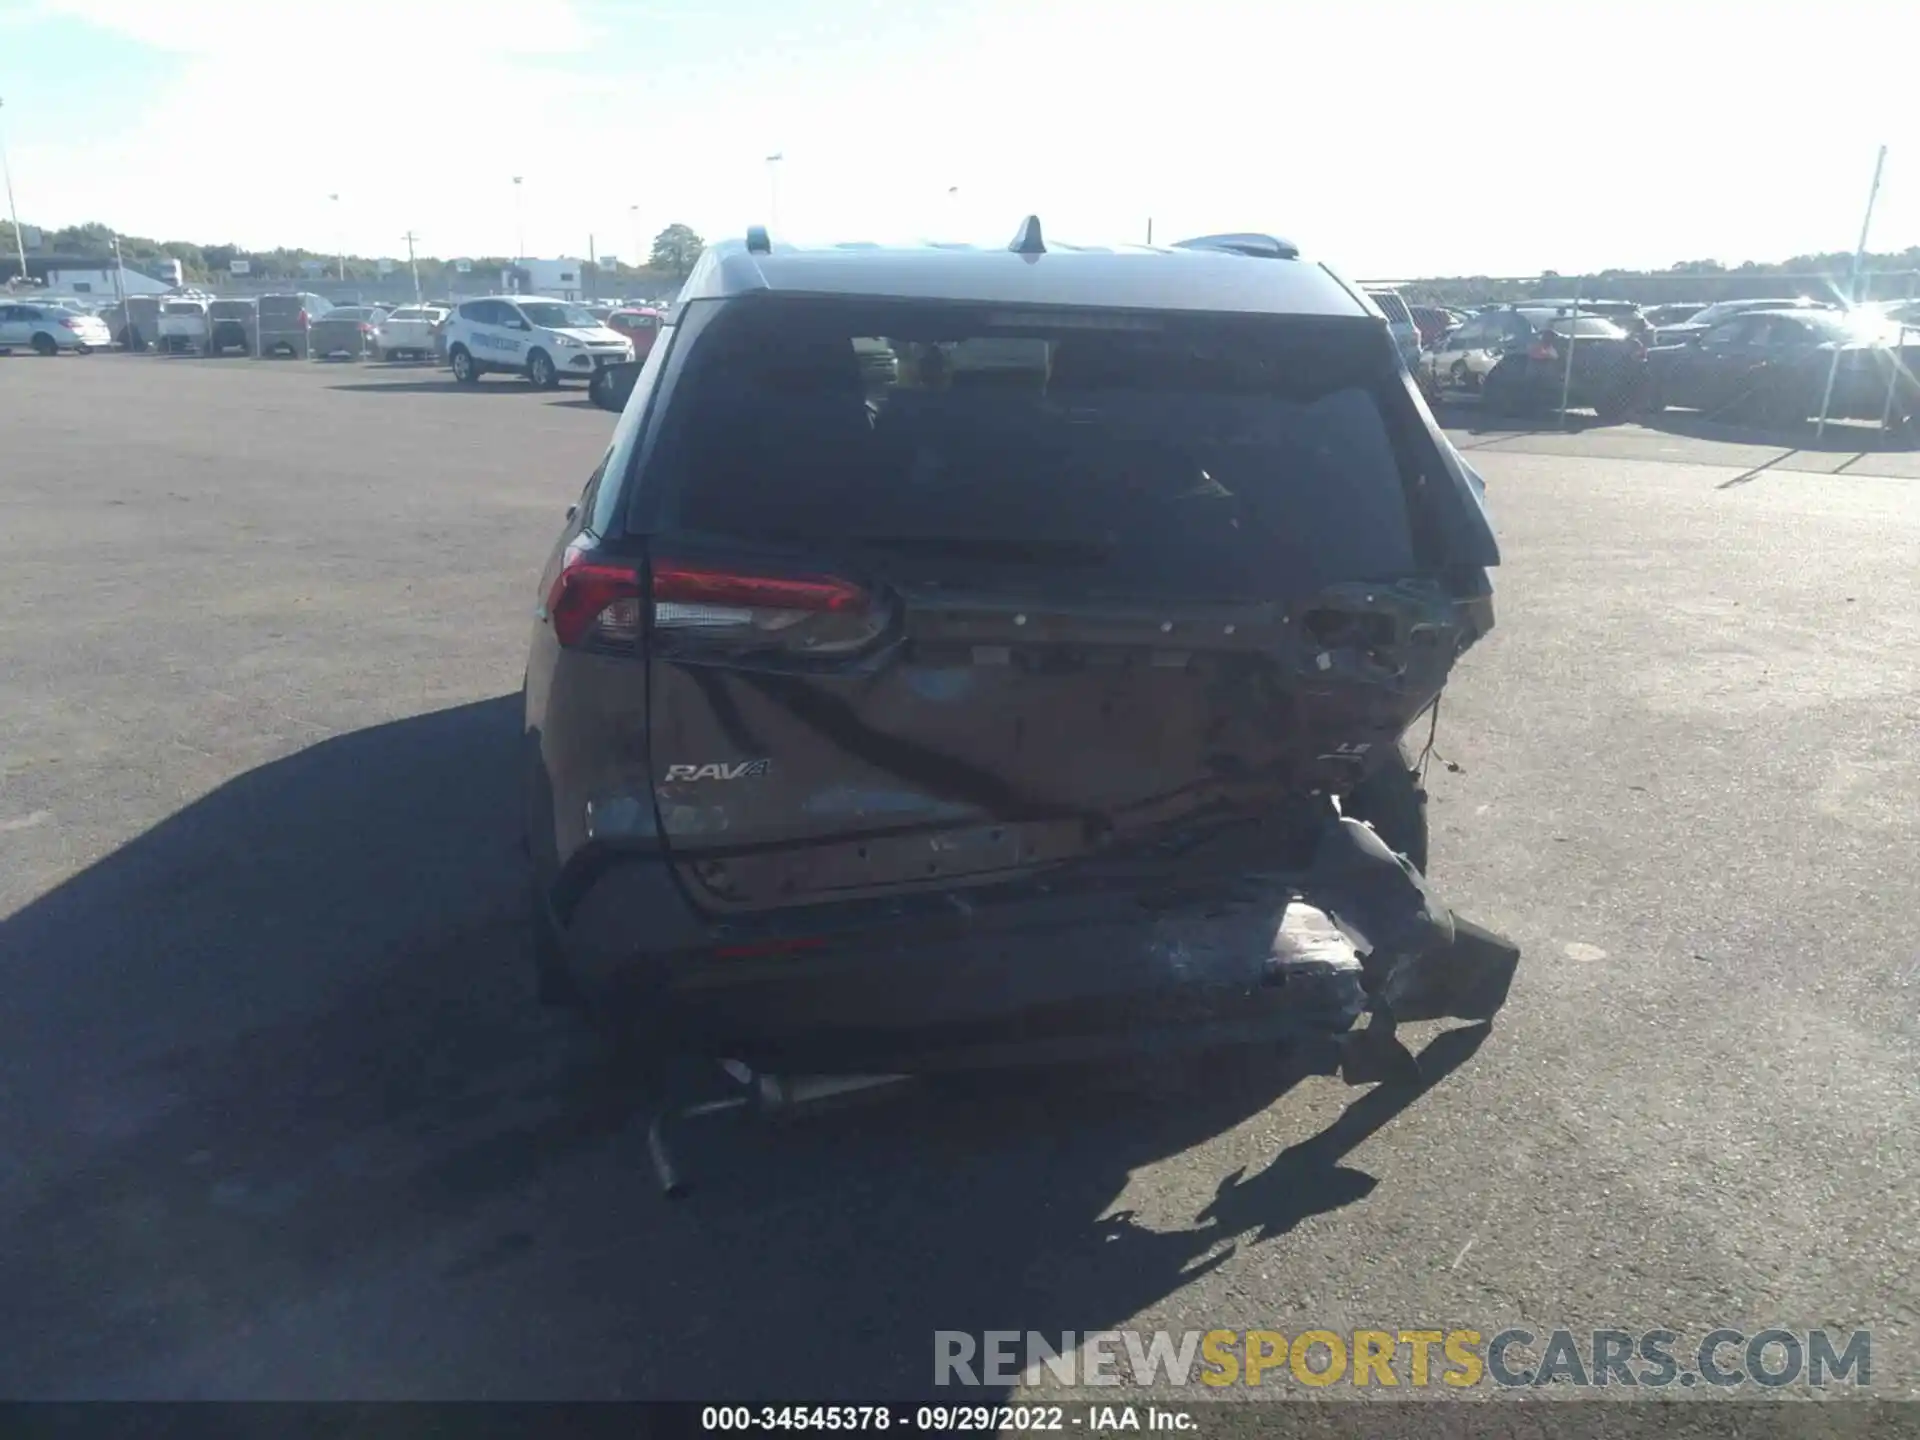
(1194, 455)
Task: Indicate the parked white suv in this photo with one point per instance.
(544, 340)
(183, 323)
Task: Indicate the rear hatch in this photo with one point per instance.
(231, 316)
(183, 318)
(286, 314)
(1603, 353)
(344, 327)
(1053, 588)
(409, 325)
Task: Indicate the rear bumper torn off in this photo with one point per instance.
(1297, 957)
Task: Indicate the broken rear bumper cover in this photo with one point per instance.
(1284, 956)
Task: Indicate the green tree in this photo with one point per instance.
(674, 251)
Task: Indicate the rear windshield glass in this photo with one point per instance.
(183, 308)
(1187, 453)
(1589, 325)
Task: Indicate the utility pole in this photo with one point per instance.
(593, 268)
(19, 236)
(773, 189)
(413, 265)
(519, 224)
(633, 219)
(340, 239)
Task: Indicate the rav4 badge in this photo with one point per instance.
(740, 770)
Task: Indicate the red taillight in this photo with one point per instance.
(696, 604)
(1543, 348)
(305, 320)
(594, 601)
(69, 324)
(365, 328)
(696, 586)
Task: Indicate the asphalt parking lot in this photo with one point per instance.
(279, 1119)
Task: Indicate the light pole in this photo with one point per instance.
(519, 223)
(19, 236)
(633, 219)
(1853, 285)
(413, 265)
(340, 241)
(773, 189)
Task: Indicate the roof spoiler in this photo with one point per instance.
(1267, 247)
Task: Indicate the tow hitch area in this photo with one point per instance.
(1330, 960)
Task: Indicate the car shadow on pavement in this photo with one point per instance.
(1476, 421)
(444, 384)
(1845, 437)
(282, 1120)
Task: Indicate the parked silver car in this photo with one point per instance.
(48, 329)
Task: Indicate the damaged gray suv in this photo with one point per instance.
(1050, 679)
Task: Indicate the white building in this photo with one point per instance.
(95, 282)
(563, 279)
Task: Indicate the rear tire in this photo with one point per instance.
(466, 371)
(1620, 402)
(1392, 801)
(553, 984)
(1499, 393)
(1784, 407)
(43, 345)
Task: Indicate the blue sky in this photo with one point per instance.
(1478, 136)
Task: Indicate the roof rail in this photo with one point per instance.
(1269, 247)
(758, 242)
(1027, 240)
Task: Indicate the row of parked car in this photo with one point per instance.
(308, 326)
(1770, 361)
